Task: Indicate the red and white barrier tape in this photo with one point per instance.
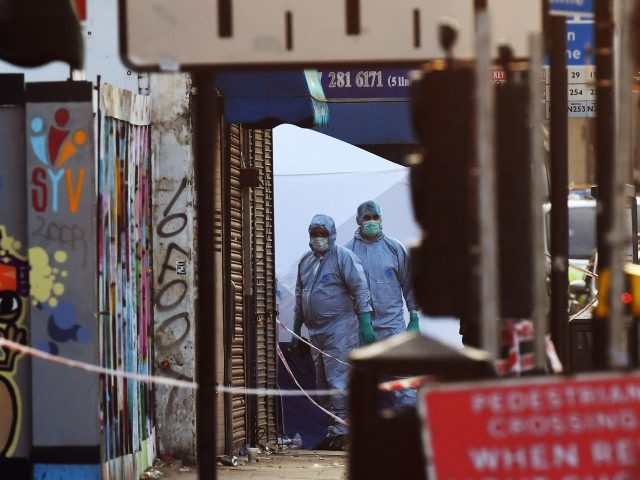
(405, 383)
(286, 366)
(284, 326)
(398, 384)
(584, 309)
(587, 272)
(87, 367)
(552, 355)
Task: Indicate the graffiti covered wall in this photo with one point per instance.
(15, 381)
(125, 260)
(61, 229)
(174, 247)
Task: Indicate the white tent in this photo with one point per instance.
(315, 173)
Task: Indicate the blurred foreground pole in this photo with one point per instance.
(604, 165)
(205, 166)
(445, 208)
(539, 293)
(619, 241)
(487, 271)
(556, 47)
(634, 53)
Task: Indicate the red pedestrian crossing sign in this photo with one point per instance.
(583, 427)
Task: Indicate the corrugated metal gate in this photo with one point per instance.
(249, 283)
(233, 274)
(261, 155)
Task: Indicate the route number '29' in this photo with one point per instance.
(363, 79)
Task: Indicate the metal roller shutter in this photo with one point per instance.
(233, 277)
(249, 283)
(264, 281)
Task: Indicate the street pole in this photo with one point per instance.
(205, 165)
(536, 115)
(619, 348)
(557, 47)
(604, 167)
(489, 296)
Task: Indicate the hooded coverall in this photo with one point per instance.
(331, 288)
(386, 265)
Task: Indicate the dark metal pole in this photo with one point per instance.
(604, 158)
(559, 189)
(205, 144)
(487, 233)
(634, 353)
(634, 228)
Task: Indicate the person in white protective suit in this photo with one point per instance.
(386, 265)
(333, 301)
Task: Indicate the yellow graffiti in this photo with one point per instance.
(9, 246)
(12, 327)
(43, 277)
(60, 256)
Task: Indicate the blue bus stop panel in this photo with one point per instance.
(580, 39)
(571, 7)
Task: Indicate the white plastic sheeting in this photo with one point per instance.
(315, 173)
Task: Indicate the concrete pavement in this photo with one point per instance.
(288, 465)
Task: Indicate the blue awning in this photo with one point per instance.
(368, 123)
(265, 99)
(381, 127)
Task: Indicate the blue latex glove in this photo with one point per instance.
(367, 335)
(414, 322)
(297, 329)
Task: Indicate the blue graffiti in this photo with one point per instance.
(389, 272)
(62, 327)
(325, 278)
(47, 471)
(38, 142)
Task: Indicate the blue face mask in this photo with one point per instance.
(371, 228)
(319, 244)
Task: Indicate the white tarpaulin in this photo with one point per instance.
(314, 174)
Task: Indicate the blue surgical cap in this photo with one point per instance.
(368, 208)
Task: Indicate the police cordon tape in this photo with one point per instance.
(172, 382)
(418, 381)
(138, 377)
(573, 266)
(306, 394)
(399, 384)
(87, 367)
(67, 362)
(584, 309)
(284, 326)
(392, 385)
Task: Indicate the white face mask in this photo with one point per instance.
(320, 244)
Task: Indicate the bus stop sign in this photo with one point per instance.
(571, 7)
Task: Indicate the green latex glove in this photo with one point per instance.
(414, 322)
(297, 329)
(367, 335)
